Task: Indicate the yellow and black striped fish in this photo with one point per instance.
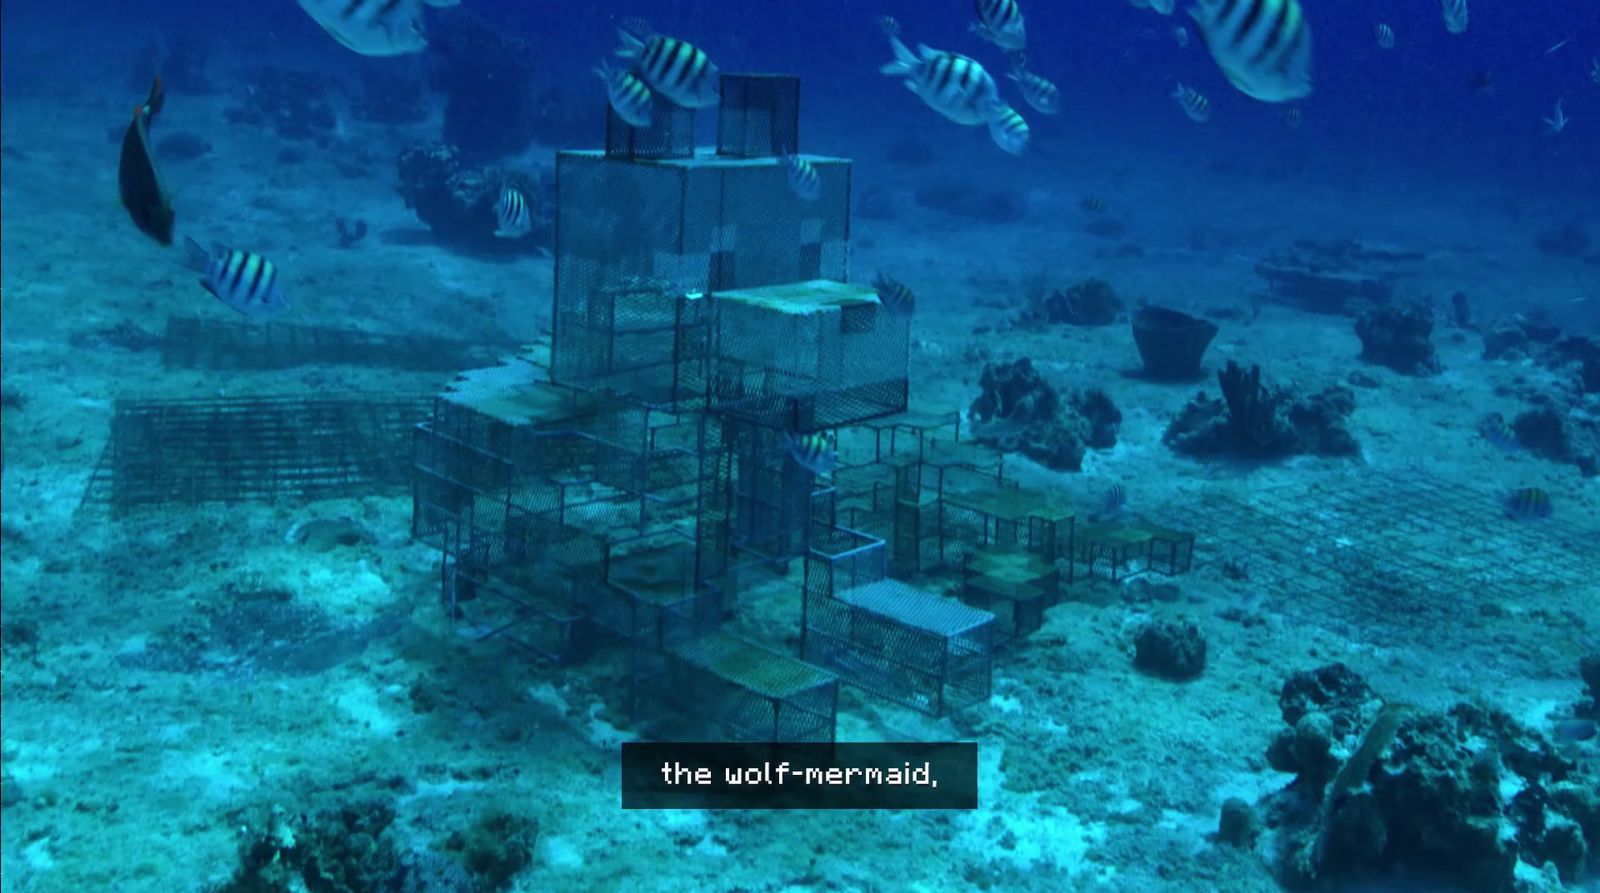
(1040, 93)
(628, 95)
(1455, 16)
(895, 296)
(813, 452)
(1384, 35)
(1263, 46)
(1008, 129)
(1195, 105)
(951, 84)
(1528, 504)
(243, 280)
(803, 178)
(1000, 23)
(676, 70)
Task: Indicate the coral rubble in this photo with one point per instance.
(1018, 411)
(1398, 337)
(1091, 302)
(1334, 277)
(1254, 421)
(1172, 650)
(457, 201)
(1469, 794)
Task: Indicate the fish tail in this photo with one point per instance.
(158, 98)
(631, 47)
(198, 257)
(905, 62)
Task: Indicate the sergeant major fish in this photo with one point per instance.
(1455, 16)
(243, 280)
(1384, 35)
(628, 95)
(676, 70)
(1008, 128)
(813, 452)
(374, 27)
(1263, 46)
(951, 84)
(1000, 22)
(1162, 6)
(895, 296)
(802, 176)
(1036, 91)
(511, 213)
(1196, 106)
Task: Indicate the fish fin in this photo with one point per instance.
(198, 256)
(631, 46)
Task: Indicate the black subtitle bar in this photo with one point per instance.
(888, 775)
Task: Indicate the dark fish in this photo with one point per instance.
(138, 182)
(511, 213)
(1092, 204)
(1116, 500)
(895, 296)
(1494, 429)
(1528, 504)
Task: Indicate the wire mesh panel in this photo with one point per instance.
(1400, 559)
(759, 116)
(719, 687)
(650, 595)
(699, 224)
(670, 133)
(770, 500)
(831, 347)
(902, 644)
(254, 448)
(840, 558)
(192, 343)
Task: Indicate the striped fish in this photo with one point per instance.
(1455, 16)
(803, 178)
(374, 27)
(1181, 35)
(243, 280)
(1528, 504)
(511, 214)
(1039, 93)
(1494, 430)
(677, 71)
(1384, 35)
(813, 452)
(1008, 129)
(1263, 46)
(951, 84)
(895, 296)
(1293, 117)
(628, 95)
(1196, 106)
(1000, 23)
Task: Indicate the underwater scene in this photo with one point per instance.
(802, 446)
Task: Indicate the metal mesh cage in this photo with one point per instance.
(770, 492)
(254, 448)
(760, 115)
(719, 687)
(237, 344)
(902, 644)
(695, 225)
(828, 352)
(670, 133)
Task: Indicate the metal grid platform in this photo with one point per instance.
(192, 343)
(902, 644)
(241, 449)
(720, 687)
(1399, 558)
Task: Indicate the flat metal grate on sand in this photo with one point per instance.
(1397, 557)
(192, 343)
(255, 448)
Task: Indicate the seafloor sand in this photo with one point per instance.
(130, 778)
